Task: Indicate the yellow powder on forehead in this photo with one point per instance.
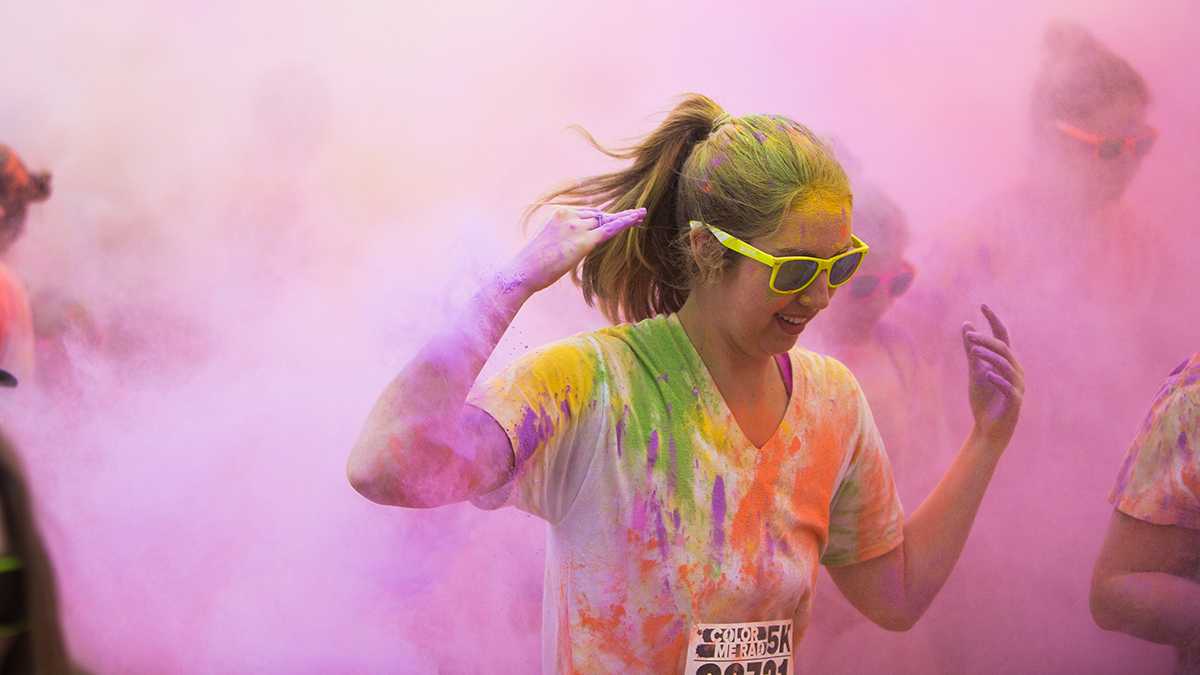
(824, 204)
(826, 207)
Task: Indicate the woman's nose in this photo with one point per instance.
(816, 297)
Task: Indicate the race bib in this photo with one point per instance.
(758, 648)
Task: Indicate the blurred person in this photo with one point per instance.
(1147, 579)
(1084, 283)
(882, 352)
(18, 188)
(695, 466)
(1089, 133)
(31, 636)
(901, 387)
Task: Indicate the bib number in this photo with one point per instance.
(757, 648)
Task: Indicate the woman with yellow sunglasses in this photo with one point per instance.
(694, 465)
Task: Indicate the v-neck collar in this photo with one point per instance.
(704, 380)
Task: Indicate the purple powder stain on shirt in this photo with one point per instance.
(675, 517)
(1166, 503)
(651, 451)
(531, 432)
(783, 546)
(637, 521)
(661, 531)
(664, 377)
(1182, 442)
(566, 403)
(621, 431)
(718, 510)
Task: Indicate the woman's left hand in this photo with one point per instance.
(996, 381)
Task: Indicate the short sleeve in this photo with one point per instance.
(547, 403)
(1159, 481)
(866, 518)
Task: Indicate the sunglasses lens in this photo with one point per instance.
(1109, 149)
(1143, 145)
(843, 269)
(900, 284)
(863, 286)
(794, 275)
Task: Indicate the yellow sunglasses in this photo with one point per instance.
(794, 273)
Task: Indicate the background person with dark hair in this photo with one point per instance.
(31, 635)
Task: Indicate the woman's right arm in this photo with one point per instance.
(422, 446)
(1143, 582)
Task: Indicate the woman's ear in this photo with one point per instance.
(707, 255)
(696, 237)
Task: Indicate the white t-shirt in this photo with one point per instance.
(662, 514)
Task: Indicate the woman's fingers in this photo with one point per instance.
(1005, 387)
(595, 219)
(615, 223)
(998, 327)
(971, 338)
(1000, 364)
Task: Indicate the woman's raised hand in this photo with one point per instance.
(996, 381)
(568, 235)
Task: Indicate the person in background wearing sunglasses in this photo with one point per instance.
(694, 466)
(908, 409)
(1147, 579)
(1089, 135)
(1066, 260)
(880, 352)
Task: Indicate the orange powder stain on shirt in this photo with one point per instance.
(752, 511)
(669, 648)
(653, 626)
(820, 475)
(609, 635)
(564, 657)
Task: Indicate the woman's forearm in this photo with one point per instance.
(896, 588)
(421, 445)
(414, 449)
(936, 532)
(1153, 606)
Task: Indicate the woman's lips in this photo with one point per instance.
(792, 324)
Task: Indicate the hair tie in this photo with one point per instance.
(720, 120)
